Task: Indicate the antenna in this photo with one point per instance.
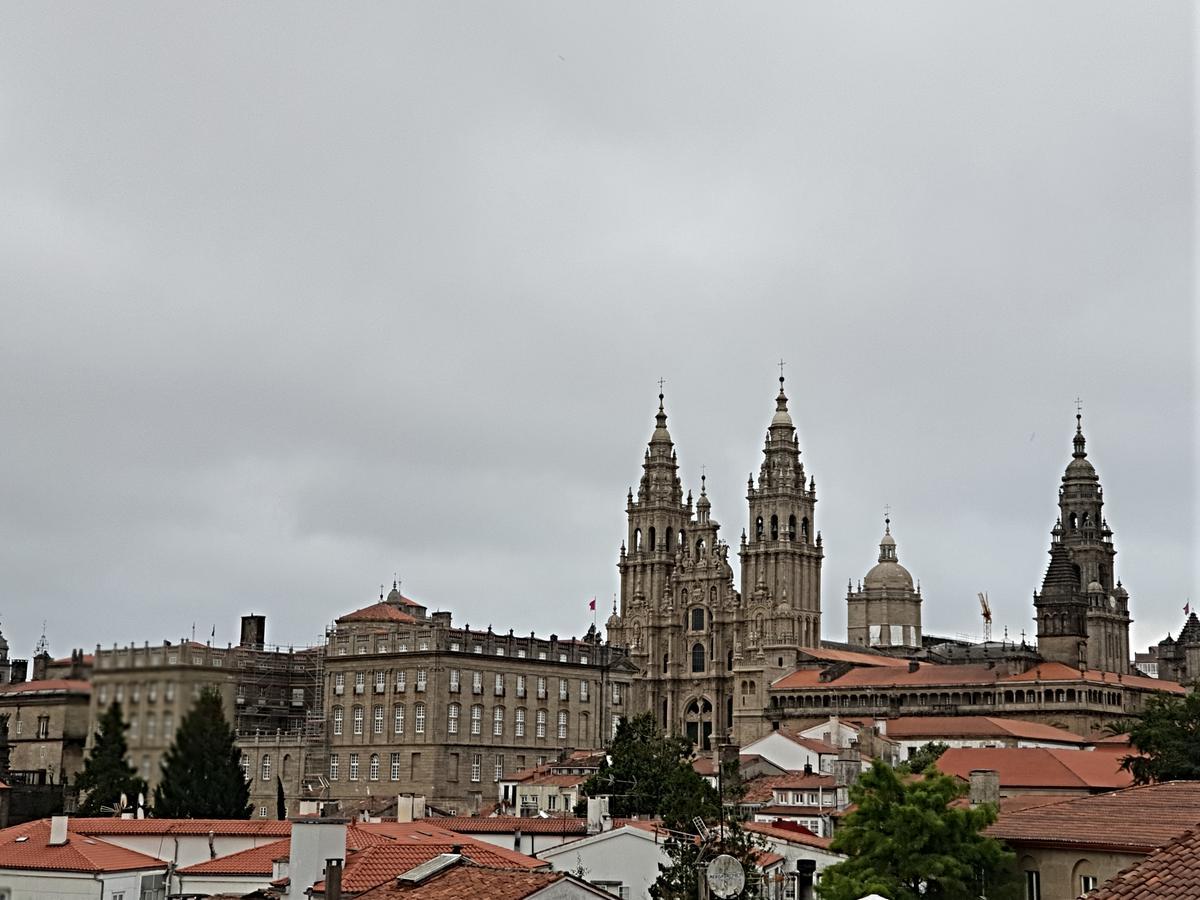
(986, 610)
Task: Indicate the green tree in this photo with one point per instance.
(201, 772)
(107, 773)
(690, 853)
(908, 840)
(648, 773)
(924, 757)
(1167, 738)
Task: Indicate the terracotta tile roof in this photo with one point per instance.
(881, 676)
(911, 727)
(1059, 672)
(761, 790)
(1169, 873)
(782, 810)
(765, 858)
(376, 865)
(260, 860)
(1038, 767)
(813, 744)
(88, 659)
(225, 827)
(378, 612)
(462, 881)
(47, 686)
(509, 824)
(1137, 819)
(783, 830)
(800, 780)
(27, 847)
(858, 659)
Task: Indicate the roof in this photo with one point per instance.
(1038, 767)
(1169, 873)
(1137, 819)
(929, 674)
(1054, 671)
(381, 863)
(47, 686)
(260, 860)
(378, 612)
(761, 789)
(855, 658)
(510, 824)
(788, 832)
(460, 881)
(27, 847)
(908, 727)
(802, 780)
(219, 827)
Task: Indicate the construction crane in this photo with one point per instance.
(986, 609)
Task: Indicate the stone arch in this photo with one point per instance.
(774, 527)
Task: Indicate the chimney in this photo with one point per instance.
(985, 786)
(58, 831)
(314, 843)
(913, 665)
(808, 768)
(881, 726)
(404, 809)
(254, 632)
(333, 879)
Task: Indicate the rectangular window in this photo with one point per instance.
(616, 694)
(169, 691)
(338, 718)
(541, 723)
(520, 685)
(377, 720)
(452, 719)
(394, 770)
(583, 659)
(541, 654)
(476, 719)
(476, 682)
(563, 689)
(414, 766)
(476, 766)
(520, 653)
(401, 681)
(360, 681)
(373, 768)
(1033, 885)
(358, 720)
(423, 645)
(616, 721)
(499, 769)
(519, 724)
(43, 727)
(398, 720)
(498, 721)
(419, 716)
(499, 687)
(454, 681)
(551, 801)
(152, 691)
(421, 679)
(1087, 883)
(380, 681)
(583, 690)
(354, 767)
(541, 688)
(455, 646)
(562, 724)
(479, 648)
(499, 651)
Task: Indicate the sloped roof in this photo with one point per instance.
(373, 866)
(27, 847)
(1055, 671)
(1038, 767)
(378, 612)
(219, 827)
(1137, 819)
(47, 686)
(789, 832)
(855, 658)
(462, 881)
(876, 676)
(802, 781)
(1169, 873)
(909, 727)
(260, 860)
(510, 824)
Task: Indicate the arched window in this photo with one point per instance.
(683, 540)
(452, 713)
(698, 658)
(1087, 519)
(774, 528)
(804, 529)
(373, 768)
(669, 545)
(700, 548)
(698, 619)
(791, 528)
(729, 661)
(285, 769)
(637, 540)
(758, 528)
(652, 543)
(1073, 521)
(666, 661)
(266, 767)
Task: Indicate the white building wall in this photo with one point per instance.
(626, 855)
(34, 885)
(187, 849)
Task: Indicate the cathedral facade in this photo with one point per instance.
(699, 641)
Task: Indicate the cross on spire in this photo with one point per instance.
(887, 512)
(661, 382)
(1078, 406)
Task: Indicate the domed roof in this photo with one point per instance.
(1080, 467)
(888, 574)
(1119, 591)
(1095, 587)
(782, 416)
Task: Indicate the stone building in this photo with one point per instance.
(1179, 660)
(885, 611)
(47, 728)
(1082, 613)
(417, 705)
(686, 627)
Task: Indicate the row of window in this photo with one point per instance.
(383, 645)
(43, 726)
(151, 722)
(134, 692)
(454, 714)
(379, 680)
(138, 660)
(354, 771)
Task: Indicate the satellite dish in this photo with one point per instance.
(725, 876)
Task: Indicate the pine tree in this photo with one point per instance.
(107, 774)
(201, 772)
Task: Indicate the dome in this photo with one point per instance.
(888, 576)
(1119, 591)
(782, 416)
(1095, 588)
(1079, 467)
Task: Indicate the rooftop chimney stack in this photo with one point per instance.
(58, 831)
(985, 787)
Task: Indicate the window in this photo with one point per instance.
(398, 720)
(552, 802)
(476, 719)
(339, 715)
(102, 696)
(541, 688)
(422, 645)
(360, 681)
(454, 681)
(421, 678)
(698, 619)
(168, 725)
(120, 693)
(498, 721)
(401, 681)
(583, 727)
(169, 691)
(43, 727)
(380, 681)
(499, 687)
(151, 725)
(455, 646)
(333, 766)
(476, 766)
(394, 767)
(697, 657)
(266, 767)
(498, 771)
(583, 690)
(519, 724)
(377, 720)
(562, 724)
(354, 767)
(419, 719)
(1033, 884)
(358, 720)
(616, 721)
(152, 691)
(521, 653)
(563, 689)
(541, 723)
(244, 764)
(520, 685)
(402, 647)
(373, 768)
(452, 718)
(1087, 882)
(476, 682)
(133, 726)
(616, 694)
(478, 648)
(499, 651)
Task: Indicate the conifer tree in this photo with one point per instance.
(201, 772)
(107, 773)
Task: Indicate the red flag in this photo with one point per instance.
(592, 604)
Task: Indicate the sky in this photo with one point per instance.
(299, 298)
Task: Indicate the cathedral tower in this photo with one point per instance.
(781, 558)
(1082, 615)
(885, 611)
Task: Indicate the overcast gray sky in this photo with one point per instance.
(293, 297)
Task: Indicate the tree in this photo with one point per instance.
(648, 773)
(924, 757)
(690, 853)
(107, 773)
(907, 841)
(201, 772)
(1167, 738)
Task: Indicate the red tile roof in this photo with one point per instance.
(761, 790)
(510, 824)
(47, 686)
(376, 865)
(813, 744)
(800, 781)
(877, 676)
(1038, 767)
(27, 847)
(919, 727)
(463, 881)
(783, 830)
(1137, 819)
(220, 827)
(378, 612)
(858, 659)
(260, 860)
(1169, 873)
(1061, 672)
